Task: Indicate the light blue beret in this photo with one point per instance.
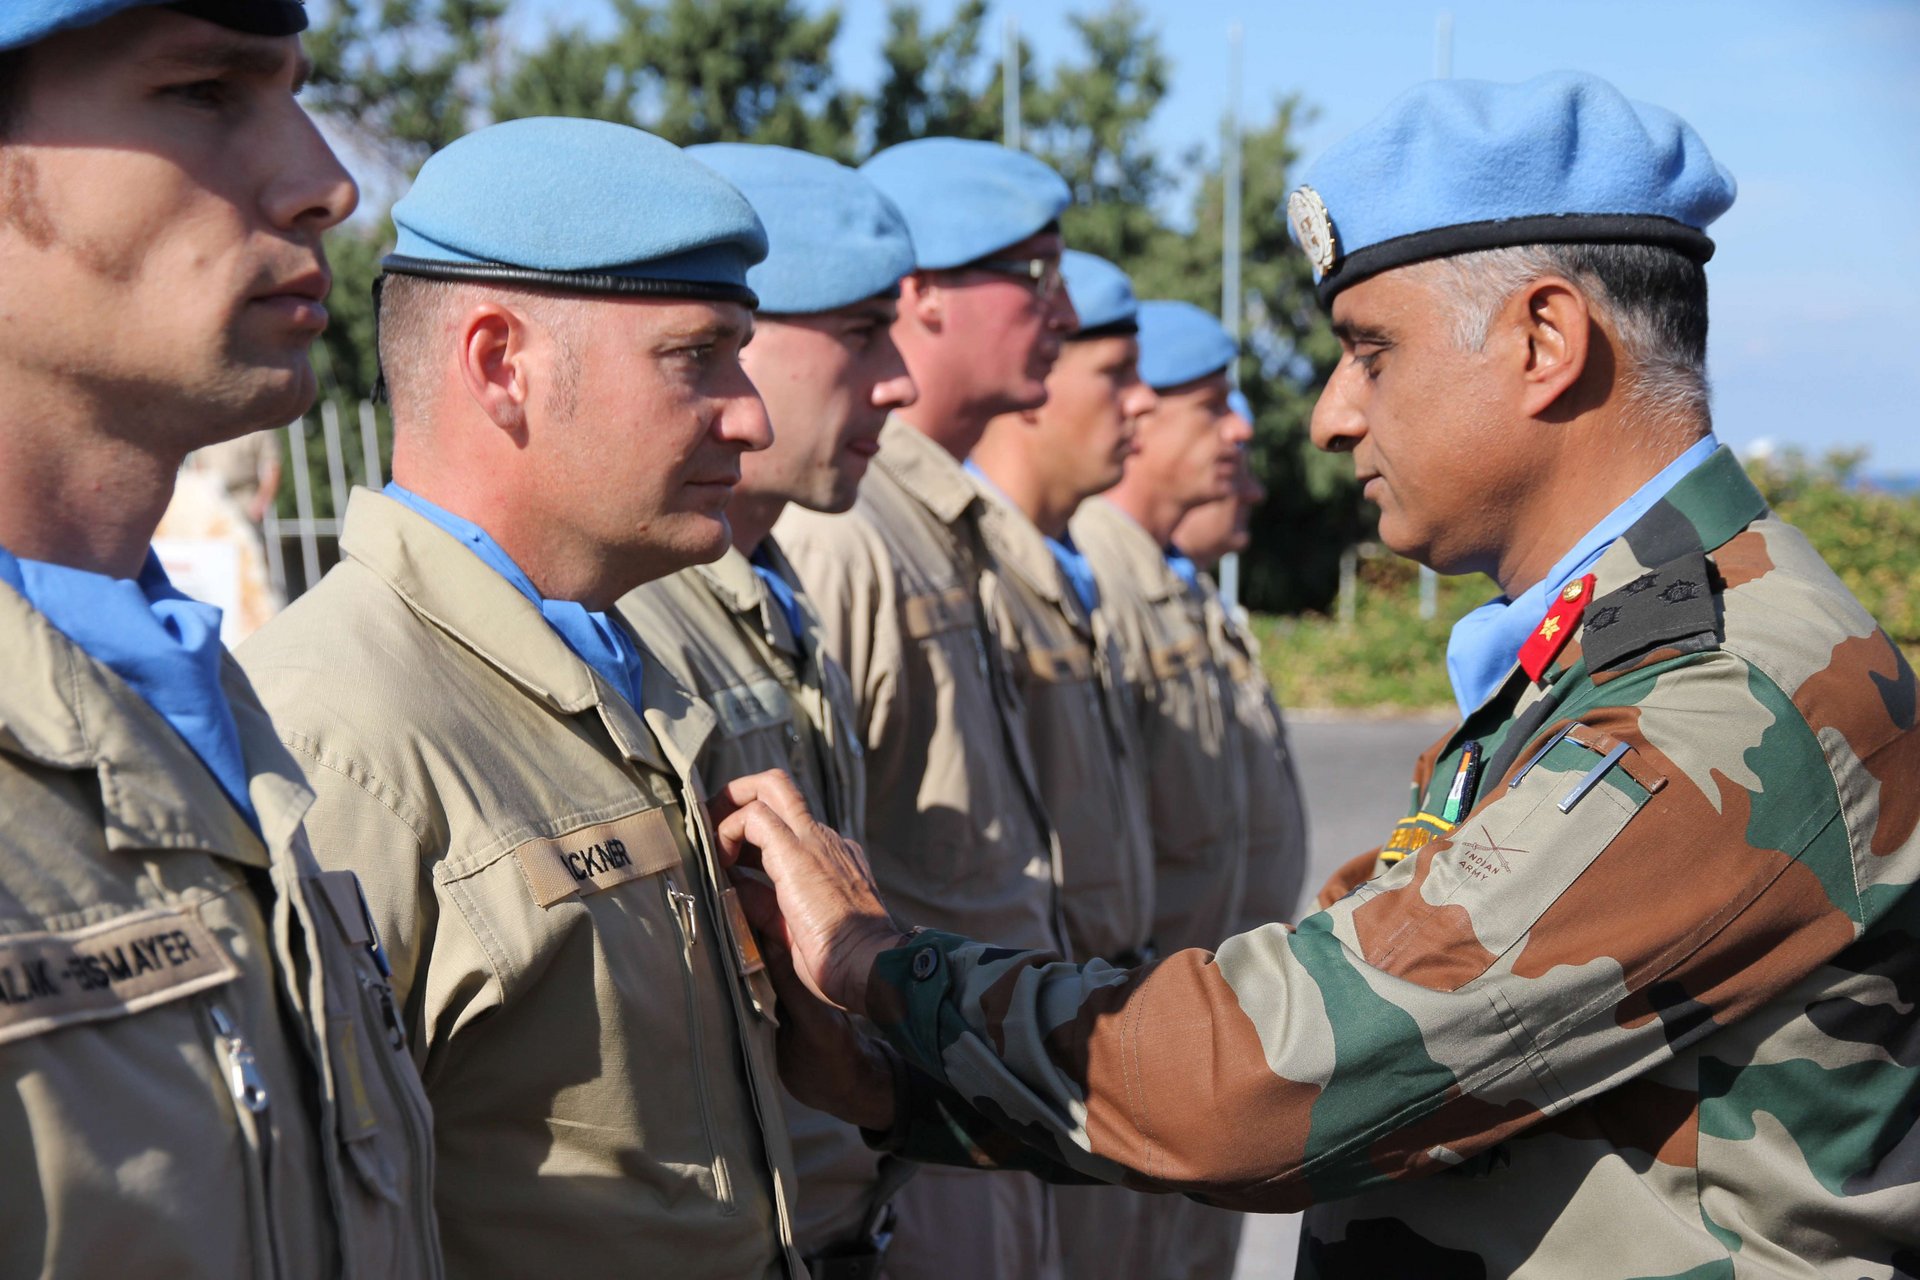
(1180, 343)
(965, 200)
(583, 206)
(1101, 294)
(1455, 166)
(29, 23)
(1238, 402)
(832, 238)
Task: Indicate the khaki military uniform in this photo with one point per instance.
(782, 703)
(1197, 783)
(586, 1019)
(956, 833)
(201, 1071)
(1196, 793)
(1085, 737)
(1276, 814)
(1644, 1008)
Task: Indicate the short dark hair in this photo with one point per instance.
(13, 83)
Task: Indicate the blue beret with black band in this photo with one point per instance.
(1101, 294)
(1180, 343)
(577, 206)
(1456, 166)
(832, 238)
(29, 23)
(964, 199)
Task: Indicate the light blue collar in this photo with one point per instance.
(1484, 645)
(1073, 565)
(1078, 573)
(779, 588)
(163, 644)
(1184, 569)
(595, 638)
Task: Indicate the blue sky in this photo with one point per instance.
(1815, 107)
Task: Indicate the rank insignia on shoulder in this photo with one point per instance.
(1551, 636)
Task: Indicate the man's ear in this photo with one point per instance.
(923, 300)
(494, 365)
(1549, 336)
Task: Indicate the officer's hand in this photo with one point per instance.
(825, 1061)
(813, 894)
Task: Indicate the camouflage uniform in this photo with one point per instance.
(1647, 1009)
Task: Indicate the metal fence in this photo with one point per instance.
(327, 453)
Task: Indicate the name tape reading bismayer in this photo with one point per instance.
(50, 980)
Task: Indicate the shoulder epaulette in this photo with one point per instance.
(1675, 606)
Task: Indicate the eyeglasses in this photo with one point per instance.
(1042, 275)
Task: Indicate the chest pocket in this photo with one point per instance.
(1492, 877)
(751, 707)
(594, 859)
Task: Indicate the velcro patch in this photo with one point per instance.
(599, 857)
(109, 970)
(938, 611)
(1173, 659)
(759, 704)
(1672, 605)
(1058, 665)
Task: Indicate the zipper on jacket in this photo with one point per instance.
(414, 1123)
(251, 1101)
(685, 909)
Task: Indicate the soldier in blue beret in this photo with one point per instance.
(494, 752)
(1155, 602)
(741, 631)
(955, 821)
(200, 1071)
(1627, 992)
(1036, 468)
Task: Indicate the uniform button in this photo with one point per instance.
(925, 962)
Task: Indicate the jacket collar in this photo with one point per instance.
(1146, 562)
(67, 711)
(932, 475)
(455, 591)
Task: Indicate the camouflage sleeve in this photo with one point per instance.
(933, 1124)
(1674, 860)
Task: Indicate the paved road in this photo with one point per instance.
(1355, 775)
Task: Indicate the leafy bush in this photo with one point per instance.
(1389, 658)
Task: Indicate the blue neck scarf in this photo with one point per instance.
(778, 587)
(1073, 565)
(163, 644)
(1485, 643)
(1184, 569)
(595, 638)
(1075, 569)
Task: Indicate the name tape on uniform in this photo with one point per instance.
(109, 970)
(596, 858)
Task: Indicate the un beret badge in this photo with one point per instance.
(1313, 228)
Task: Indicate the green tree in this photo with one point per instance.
(1089, 121)
(405, 77)
(937, 82)
(1313, 510)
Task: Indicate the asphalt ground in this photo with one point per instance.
(1355, 774)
